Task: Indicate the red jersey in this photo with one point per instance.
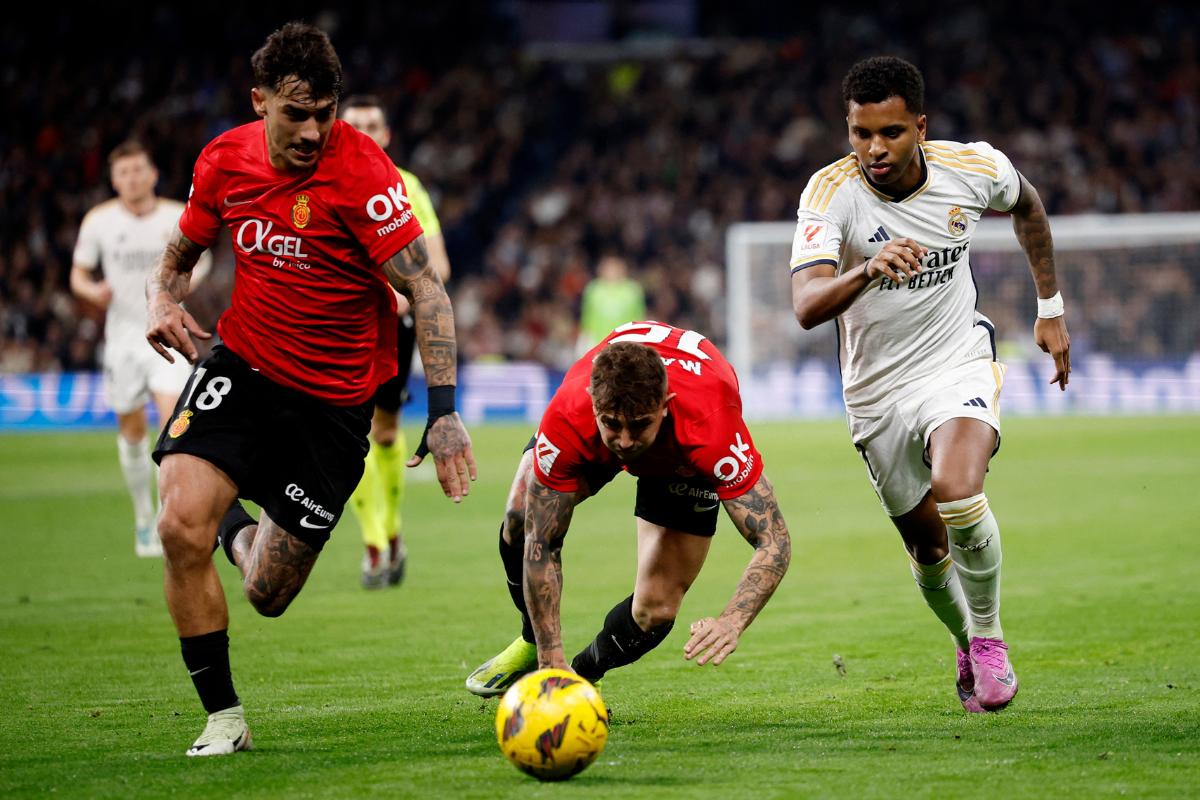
(703, 435)
(311, 309)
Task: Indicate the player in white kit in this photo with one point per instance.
(124, 236)
(882, 245)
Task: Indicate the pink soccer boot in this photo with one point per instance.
(966, 683)
(995, 681)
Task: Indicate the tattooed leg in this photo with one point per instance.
(275, 565)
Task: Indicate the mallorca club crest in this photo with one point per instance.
(958, 222)
(180, 425)
(301, 213)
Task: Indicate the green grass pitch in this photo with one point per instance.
(357, 694)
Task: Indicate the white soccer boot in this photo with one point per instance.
(146, 542)
(225, 734)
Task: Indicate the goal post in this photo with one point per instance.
(1131, 283)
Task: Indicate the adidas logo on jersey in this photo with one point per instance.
(880, 235)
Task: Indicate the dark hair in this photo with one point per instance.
(299, 51)
(129, 147)
(628, 379)
(874, 80)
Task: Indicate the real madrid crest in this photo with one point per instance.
(180, 425)
(958, 222)
(301, 213)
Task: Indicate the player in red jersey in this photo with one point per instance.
(279, 412)
(662, 404)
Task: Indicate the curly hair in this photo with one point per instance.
(874, 80)
(299, 52)
(628, 380)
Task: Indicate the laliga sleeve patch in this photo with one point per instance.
(545, 452)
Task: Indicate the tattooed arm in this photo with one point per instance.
(168, 324)
(1033, 232)
(757, 517)
(410, 273)
(547, 517)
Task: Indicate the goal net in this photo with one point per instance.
(1131, 285)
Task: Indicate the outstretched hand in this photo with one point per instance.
(171, 326)
(447, 439)
(713, 639)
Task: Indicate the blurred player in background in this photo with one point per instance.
(123, 237)
(279, 412)
(881, 246)
(379, 497)
(610, 299)
(662, 404)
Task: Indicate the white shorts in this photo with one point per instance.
(133, 372)
(895, 446)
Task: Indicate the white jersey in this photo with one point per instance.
(127, 246)
(895, 338)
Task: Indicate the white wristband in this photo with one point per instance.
(1051, 307)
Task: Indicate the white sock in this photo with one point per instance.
(136, 464)
(943, 594)
(975, 547)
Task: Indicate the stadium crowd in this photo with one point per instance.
(540, 165)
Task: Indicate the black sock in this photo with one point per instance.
(621, 641)
(234, 520)
(513, 556)
(207, 660)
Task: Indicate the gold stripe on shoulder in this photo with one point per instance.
(980, 161)
(964, 154)
(955, 165)
(825, 174)
(819, 177)
(824, 199)
(962, 167)
(943, 144)
(824, 191)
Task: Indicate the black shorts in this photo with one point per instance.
(297, 457)
(683, 504)
(392, 394)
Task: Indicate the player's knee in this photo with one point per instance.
(385, 437)
(266, 602)
(182, 538)
(514, 525)
(948, 488)
(928, 553)
(654, 611)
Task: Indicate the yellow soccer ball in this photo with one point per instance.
(551, 724)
